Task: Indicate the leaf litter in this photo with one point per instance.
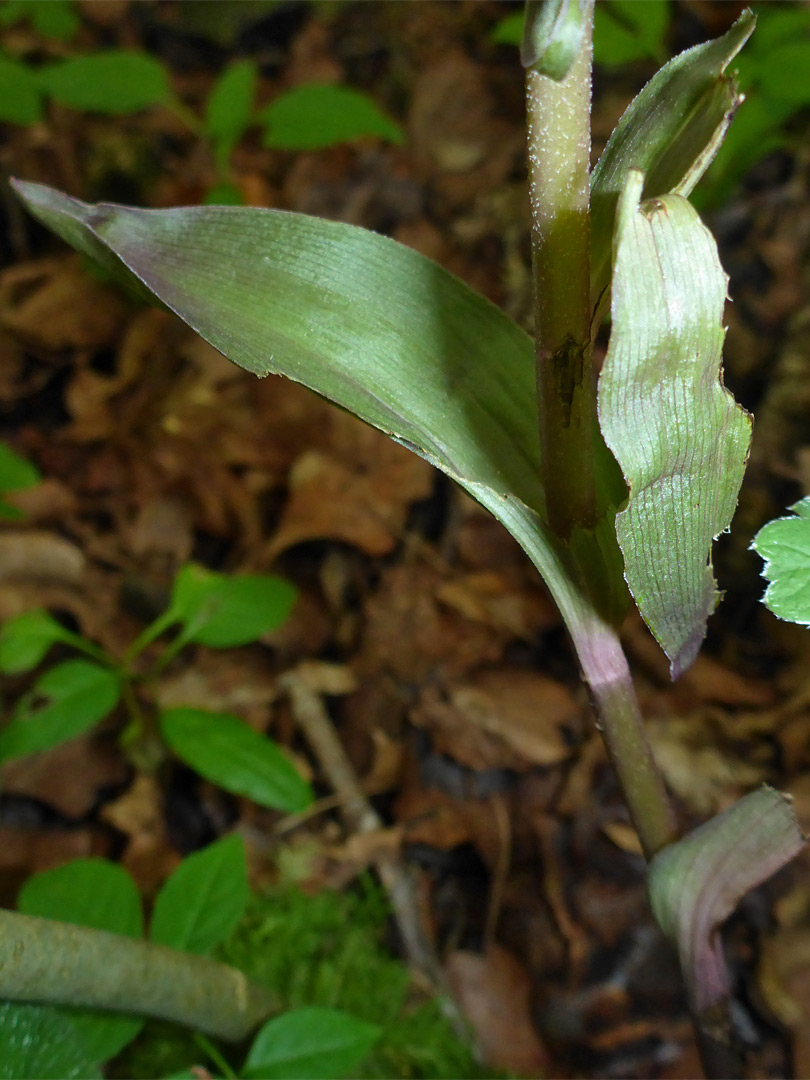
(454, 693)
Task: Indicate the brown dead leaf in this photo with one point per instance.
(27, 851)
(364, 505)
(51, 500)
(783, 976)
(501, 602)
(69, 777)
(708, 777)
(432, 817)
(138, 813)
(493, 991)
(39, 556)
(502, 718)
(66, 308)
(456, 138)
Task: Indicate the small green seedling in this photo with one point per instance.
(120, 82)
(55, 19)
(616, 482)
(197, 908)
(69, 699)
(16, 474)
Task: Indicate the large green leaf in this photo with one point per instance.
(38, 1042)
(670, 132)
(679, 437)
(371, 325)
(100, 894)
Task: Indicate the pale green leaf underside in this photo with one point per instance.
(677, 434)
(696, 883)
(364, 321)
(784, 544)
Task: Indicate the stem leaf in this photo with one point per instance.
(696, 883)
(679, 437)
(670, 132)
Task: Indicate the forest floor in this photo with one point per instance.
(421, 628)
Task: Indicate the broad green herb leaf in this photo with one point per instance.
(680, 439)
(66, 701)
(625, 30)
(784, 544)
(38, 1042)
(230, 106)
(204, 898)
(50, 18)
(16, 474)
(224, 611)
(101, 894)
(508, 30)
(367, 323)
(87, 892)
(224, 750)
(224, 194)
(115, 81)
(20, 96)
(25, 641)
(552, 35)
(319, 115)
(310, 1042)
(695, 884)
(670, 132)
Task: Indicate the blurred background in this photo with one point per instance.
(419, 631)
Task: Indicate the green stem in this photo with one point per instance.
(47, 961)
(559, 190)
(607, 674)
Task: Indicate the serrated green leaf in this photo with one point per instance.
(310, 1042)
(784, 544)
(38, 1042)
(229, 753)
(66, 701)
(116, 81)
(25, 641)
(230, 106)
(223, 611)
(670, 132)
(204, 898)
(680, 439)
(318, 115)
(90, 892)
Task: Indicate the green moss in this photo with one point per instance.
(326, 949)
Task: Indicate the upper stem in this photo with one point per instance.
(559, 190)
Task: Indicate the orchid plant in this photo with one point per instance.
(614, 482)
